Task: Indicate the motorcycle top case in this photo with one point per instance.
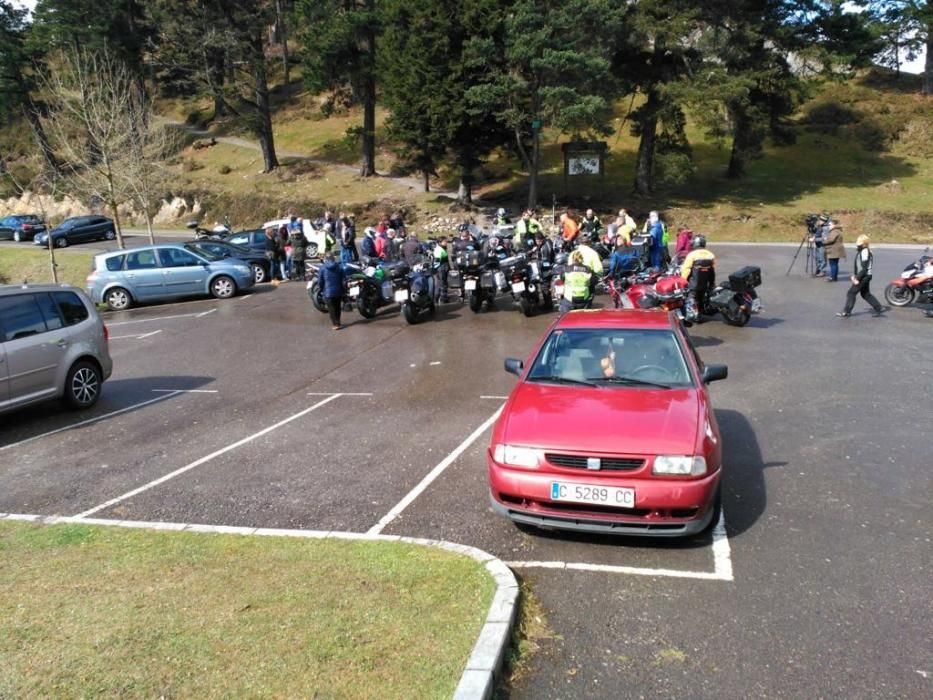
(512, 264)
(641, 244)
(394, 270)
(748, 277)
(469, 259)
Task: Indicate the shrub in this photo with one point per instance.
(673, 168)
(826, 117)
(189, 166)
(4, 279)
(870, 135)
(224, 169)
(916, 139)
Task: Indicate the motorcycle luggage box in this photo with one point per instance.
(397, 269)
(488, 279)
(641, 244)
(512, 264)
(470, 259)
(454, 279)
(748, 277)
(722, 297)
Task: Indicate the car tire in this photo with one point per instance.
(61, 242)
(118, 299)
(259, 273)
(223, 287)
(110, 235)
(82, 385)
(311, 250)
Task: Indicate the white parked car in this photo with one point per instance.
(313, 235)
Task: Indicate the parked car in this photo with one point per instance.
(610, 429)
(53, 344)
(253, 240)
(256, 259)
(20, 227)
(169, 271)
(313, 233)
(78, 229)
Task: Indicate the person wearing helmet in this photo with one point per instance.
(442, 260)
(577, 284)
(697, 253)
(591, 225)
(368, 244)
(493, 248)
(699, 269)
(501, 218)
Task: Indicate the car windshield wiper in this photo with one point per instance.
(561, 380)
(629, 381)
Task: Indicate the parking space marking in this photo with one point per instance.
(186, 391)
(204, 460)
(205, 313)
(432, 475)
(137, 337)
(170, 393)
(345, 393)
(497, 398)
(722, 563)
(150, 320)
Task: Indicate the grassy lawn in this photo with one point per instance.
(32, 264)
(104, 611)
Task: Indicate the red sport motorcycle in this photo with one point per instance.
(914, 284)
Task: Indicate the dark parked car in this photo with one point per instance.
(78, 229)
(254, 240)
(20, 227)
(222, 249)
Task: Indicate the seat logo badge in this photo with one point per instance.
(593, 463)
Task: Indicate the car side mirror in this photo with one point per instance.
(712, 373)
(514, 366)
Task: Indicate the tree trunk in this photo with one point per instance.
(740, 143)
(427, 181)
(30, 109)
(928, 64)
(648, 127)
(533, 171)
(465, 190)
(368, 166)
(263, 109)
(52, 264)
(149, 227)
(282, 35)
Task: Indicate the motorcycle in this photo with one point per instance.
(735, 299)
(478, 278)
(914, 284)
(219, 231)
(316, 290)
(522, 278)
(667, 292)
(418, 295)
(376, 286)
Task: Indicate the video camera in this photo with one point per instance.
(813, 223)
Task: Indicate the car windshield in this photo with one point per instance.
(612, 357)
(204, 252)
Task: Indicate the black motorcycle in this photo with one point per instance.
(478, 277)
(417, 292)
(375, 286)
(316, 289)
(736, 299)
(523, 279)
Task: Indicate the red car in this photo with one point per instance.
(610, 429)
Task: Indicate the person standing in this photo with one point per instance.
(346, 225)
(272, 256)
(861, 279)
(297, 240)
(368, 244)
(819, 241)
(577, 284)
(442, 260)
(527, 227)
(569, 228)
(591, 225)
(655, 230)
(834, 249)
(332, 281)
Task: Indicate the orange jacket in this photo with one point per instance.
(569, 229)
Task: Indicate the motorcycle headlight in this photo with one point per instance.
(678, 465)
(515, 456)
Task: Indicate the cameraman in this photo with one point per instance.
(820, 234)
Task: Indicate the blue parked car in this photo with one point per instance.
(159, 272)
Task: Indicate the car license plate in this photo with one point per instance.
(354, 291)
(401, 295)
(598, 495)
(469, 285)
(518, 287)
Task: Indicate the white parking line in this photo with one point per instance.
(167, 395)
(722, 563)
(149, 320)
(432, 475)
(185, 391)
(203, 460)
(497, 398)
(205, 313)
(345, 393)
(137, 337)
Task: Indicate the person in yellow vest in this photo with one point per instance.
(577, 278)
(625, 226)
(590, 257)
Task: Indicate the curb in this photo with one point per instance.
(477, 680)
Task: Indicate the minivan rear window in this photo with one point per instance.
(20, 317)
(72, 308)
(115, 263)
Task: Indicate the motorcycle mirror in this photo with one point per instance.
(712, 373)
(514, 366)
(191, 224)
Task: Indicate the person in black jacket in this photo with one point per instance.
(861, 279)
(332, 281)
(272, 255)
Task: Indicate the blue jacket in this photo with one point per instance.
(657, 235)
(368, 247)
(332, 280)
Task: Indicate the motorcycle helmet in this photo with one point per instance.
(379, 275)
(501, 212)
(561, 259)
(698, 241)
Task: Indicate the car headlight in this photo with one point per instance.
(515, 456)
(672, 465)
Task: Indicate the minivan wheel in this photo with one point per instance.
(82, 385)
(223, 287)
(118, 299)
(61, 242)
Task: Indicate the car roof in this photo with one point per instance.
(126, 251)
(614, 318)
(10, 289)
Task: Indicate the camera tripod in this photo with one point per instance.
(810, 267)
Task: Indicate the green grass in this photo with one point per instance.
(31, 264)
(105, 611)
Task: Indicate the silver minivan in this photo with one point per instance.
(53, 344)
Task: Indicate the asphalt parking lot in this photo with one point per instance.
(252, 412)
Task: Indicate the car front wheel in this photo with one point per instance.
(118, 299)
(82, 385)
(259, 273)
(223, 287)
(61, 242)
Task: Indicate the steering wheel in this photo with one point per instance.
(655, 368)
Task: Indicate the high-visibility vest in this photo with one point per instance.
(577, 283)
(440, 253)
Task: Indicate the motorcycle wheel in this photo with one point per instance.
(528, 308)
(476, 302)
(316, 295)
(366, 305)
(410, 314)
(897, 295)
(736, 315)
(547, 302)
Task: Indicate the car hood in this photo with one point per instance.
(613, 420)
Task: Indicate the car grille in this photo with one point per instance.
(612, 464)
